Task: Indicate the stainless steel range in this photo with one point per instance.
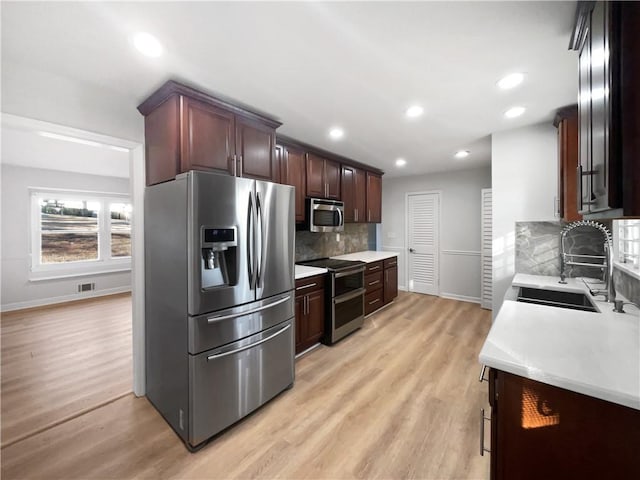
(344, 297)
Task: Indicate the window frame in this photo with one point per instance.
(618, 225)
(105, 263)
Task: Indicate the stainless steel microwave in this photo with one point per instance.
(325, 215)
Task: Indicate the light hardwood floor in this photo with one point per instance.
(63, 360)
(398, 399)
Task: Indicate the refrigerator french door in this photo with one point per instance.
(219, 262)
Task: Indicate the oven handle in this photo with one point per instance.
(247, 347)
(247, 312)
(344, 273)
(349, 296)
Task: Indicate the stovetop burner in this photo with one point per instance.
(331, 264)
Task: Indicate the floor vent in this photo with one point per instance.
(86, 287)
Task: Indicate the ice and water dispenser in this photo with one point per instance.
(218, 263)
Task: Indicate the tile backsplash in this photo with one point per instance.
(355, 238)
(538, 253)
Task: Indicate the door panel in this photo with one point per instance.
(332, 177)
(423, 238)
(584, 130)
(360, 195)
(374, 198)
(390, 284)
(315, 319)
(315, 176)
(349, 193)
(255, 150)
(275, 239)
(294, 175)
(228, 383)
(207, 138)
(218, 201)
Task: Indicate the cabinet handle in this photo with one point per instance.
(240, 165)
(375, 301)
(355, 214)
(374, 268)
(482, 379)
(482, 419)
(235, 165)
(306, 304)
(369, 218)
(373, 283)
(306, 286)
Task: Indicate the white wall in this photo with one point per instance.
(459, 226)
(524, 165)
(17, 290)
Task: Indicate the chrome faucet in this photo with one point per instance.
(606, 260)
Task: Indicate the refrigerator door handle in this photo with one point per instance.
(251, 345)
(247, 312)
(260, 237)
(250, 243)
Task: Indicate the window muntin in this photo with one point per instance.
(628, 243)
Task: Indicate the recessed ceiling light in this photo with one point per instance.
(414, 111)
(511, 81)
(336, 133)
(147, 44)
(401, 162)
(461, 154)
(514, 112)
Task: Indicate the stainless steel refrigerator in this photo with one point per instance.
(219, 263)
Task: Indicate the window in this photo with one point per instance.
(628, 244)
(79, 232)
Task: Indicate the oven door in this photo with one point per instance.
(347, 314)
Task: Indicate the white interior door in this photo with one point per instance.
(423, 232)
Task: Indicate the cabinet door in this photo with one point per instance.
(256, 151)
(567, 122)
(293, 173)
(390, 284)
(332, 178)
(315, 176)
(584, 127)
(300, 321)
(360, 196)
(208, 135)
(349, 193)
(374, 198)
(315, 318)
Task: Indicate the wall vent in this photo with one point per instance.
(86, 287)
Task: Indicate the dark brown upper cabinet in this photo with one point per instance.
(566, 121)
(606, 36)
(323, 177)
(293, 172)
(374, 198)
(186, 129)
(354, 194)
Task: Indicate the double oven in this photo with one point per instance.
(344, 297)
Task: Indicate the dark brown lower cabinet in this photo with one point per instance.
(539, 431)
(310, 310)
(390, 279)
(381, 282)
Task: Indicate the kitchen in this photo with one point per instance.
(334, 392)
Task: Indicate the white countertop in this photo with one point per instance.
(367, 256)
(596, 354)
(302, 271)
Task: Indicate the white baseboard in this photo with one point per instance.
(403, 288)
(64, 298)
(462, 298)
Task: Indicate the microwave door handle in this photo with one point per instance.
(340, 217)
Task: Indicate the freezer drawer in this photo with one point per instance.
(230, 382)
(225, 326)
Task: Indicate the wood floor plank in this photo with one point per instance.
(61, 360)
(397, 399)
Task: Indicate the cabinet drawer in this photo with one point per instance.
(373, 301)
(373, 281)
(309, 284)
(391, 262)
(373, 267)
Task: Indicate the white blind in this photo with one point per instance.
(629, 243)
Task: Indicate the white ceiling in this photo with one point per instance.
(314, 65)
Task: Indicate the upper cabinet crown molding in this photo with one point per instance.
(171, 87)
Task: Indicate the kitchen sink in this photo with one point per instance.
(555, 298)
